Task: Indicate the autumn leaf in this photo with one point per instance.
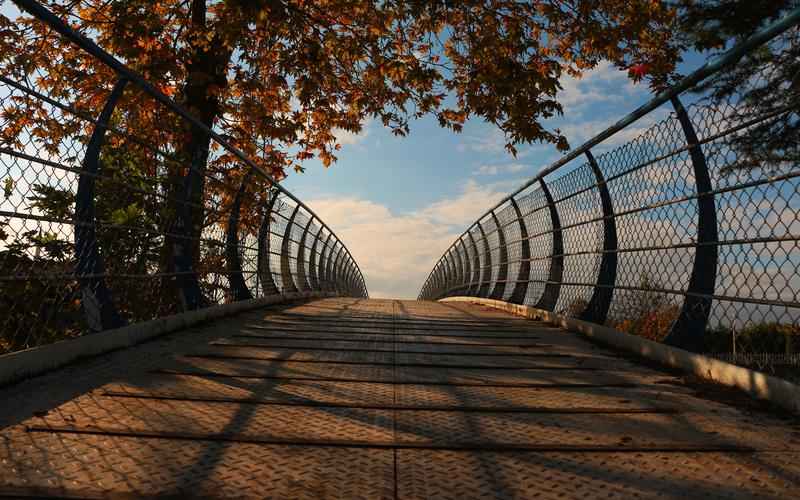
(638, 71)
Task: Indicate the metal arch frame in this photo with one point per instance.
(466, 280)
(313, 263)
(447, 276)
(268, 285)
(341, 273)
(475, 279)
(355, 279)
(330, 269)
(347, 275)
(352, 276)
(431, 281)
(689, 329)
(323, 264)
(552, 289)
(597, 309)
(440, 278)
(96, 301)
(359, 287)
(302, 278)
(236, 279)
(524, 274)
(336, 275)
(453, 274)
(287, 280)
(486, 275)
(499, 289)
(459, 267)
(439, 283)
(457, 271)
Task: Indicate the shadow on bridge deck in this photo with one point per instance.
(347, 398)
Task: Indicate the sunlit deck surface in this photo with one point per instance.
(347, 398)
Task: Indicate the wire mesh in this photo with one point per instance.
(686, 234)
(107, 220)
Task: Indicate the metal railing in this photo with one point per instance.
(680, 235)
(108, 223)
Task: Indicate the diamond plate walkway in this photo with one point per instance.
(346, 398)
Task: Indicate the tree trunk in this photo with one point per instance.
(180, 256)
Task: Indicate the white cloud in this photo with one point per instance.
(470, 204)
(604, 83)
(511, 168)
(345, 137)
(397, 251)
(491, 141)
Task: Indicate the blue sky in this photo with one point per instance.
(398, 202)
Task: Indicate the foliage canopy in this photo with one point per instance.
(279, 77)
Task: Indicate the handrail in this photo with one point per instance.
(658, 209)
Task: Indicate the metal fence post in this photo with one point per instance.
(524, 273)
(486, 276)
(347, 276)
(337, 271)
(689, 329)
(286, 269)
(264, 272)
(475, 279)
(598, 306)
(434, 280)
(98, 306)
(454, 264)
(459, 285)
(330, 271)
(552, 288)
(502, 272)
(313, 266)
(324, 264)
(467, 277)
(302, 278)
(446, 276)
(239, 288)
(442, 282)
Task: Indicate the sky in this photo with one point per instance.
(399, 202)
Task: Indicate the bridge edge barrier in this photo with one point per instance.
(758, 385)
(19, 365)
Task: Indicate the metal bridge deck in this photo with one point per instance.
(346, 398)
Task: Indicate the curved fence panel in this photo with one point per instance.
(113, 220)
(687, 233)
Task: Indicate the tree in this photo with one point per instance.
(279, 76)
(765, 83)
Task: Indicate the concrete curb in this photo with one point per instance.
(758, 385)
(16, 366)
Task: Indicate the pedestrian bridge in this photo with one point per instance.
(175, 323)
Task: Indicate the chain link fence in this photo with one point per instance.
(684, 231)
(108, 219)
